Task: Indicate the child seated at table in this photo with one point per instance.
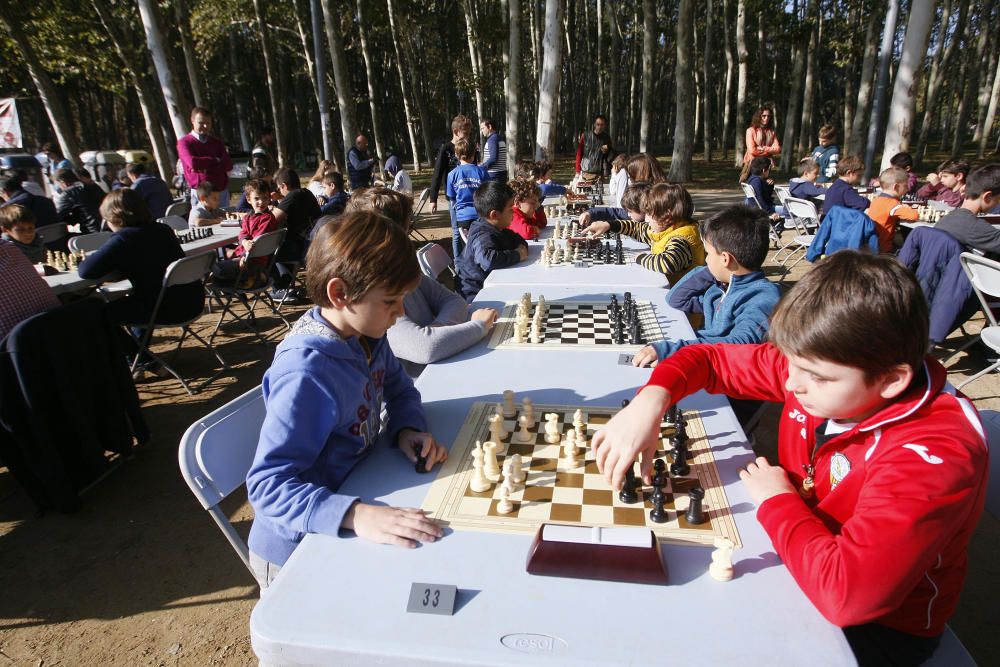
(529, 217)
(334, 200)
(948, 184)
(763, 187)
(253, 225)
(18, 226)
(541, 172)
(982, 193)
(675, 246)
(631, 207)
(804, 187)
(732, 292)
(401, 181)
(491, 244)
(882, 466)
(325, 392)
(619, 179)
(886, 209)
(207, 212)
(258, 172)
(850, 171)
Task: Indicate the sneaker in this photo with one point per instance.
(281, 295)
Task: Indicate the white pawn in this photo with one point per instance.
(552, 434)
(523, 435)
(721, 568)
(569, 445)
(497, 432)
(508, 474)
(535, 336)
(520, 330)
(540, 308)
(528, 410)
(479, 482)
(516, 471)
(504, 506)
(492, 467)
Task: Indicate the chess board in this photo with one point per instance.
(557, 492)
(195, 234)
(575, 325)
(628, 255)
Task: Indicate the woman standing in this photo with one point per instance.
(762, 138)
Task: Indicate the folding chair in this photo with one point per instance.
(216, 453)
(88, 242)
(179, 208)
(434, 259)
(180, 272)
(783, 193)
(51, 235)
(463, 232)
(984, 274)
(175, 222)
(803, 215)
(418, 213)
(773, 233)
(265, 245)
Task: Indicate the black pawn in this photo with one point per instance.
(680, 467)
(695, 513)
(607, 251)
(628, 495)
(680, 433)
(672, 414)
(625, 403)
(421, 464)
(658, 514)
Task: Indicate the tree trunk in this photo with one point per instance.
(971, 83)
(614, 68)
(741, 88)
(370, 78)
(322, 88)
(477, 75)
(236, 82)
(513, 88)
(985, 89)
(809, 86)
(991, 112)
(307, 48)
(163, 66)
(727, 114)
(680, 162)
(182, 15)
(341, 79)
(271, 70)
(706, 96)
(856, 142)
(904, 93)
(648, 44)
(934, 85)
(548, 85)
(421, 100)
(795, 93)
(881, 84)
(401, 68)
(601, 93)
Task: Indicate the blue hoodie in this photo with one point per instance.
(324, 414)
(488, 248)
(737, 315)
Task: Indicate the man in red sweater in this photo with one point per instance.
(204, 157)
(883, 465)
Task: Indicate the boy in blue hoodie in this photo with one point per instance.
(491, 244)
(731, 291)
(324, 394)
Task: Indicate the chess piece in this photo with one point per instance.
(508, 404)
(523, 435)
(491, 467)
(658, 514)
(721, 568)
(528, 410)
(680, 467)
(671, 417)
(541, 307)
(497, 432)
(504, 505)
(578, 423)
(628, 494)
(479, 482)
(535, 336)
(552, 434)
(695, 515)
(517, 474)
(519, 333)
(659, 473)
(569, 445)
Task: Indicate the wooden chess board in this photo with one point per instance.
(557, 492)
(575, 325)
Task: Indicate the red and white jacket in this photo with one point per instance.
(885, 534)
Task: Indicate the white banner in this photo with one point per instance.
(10, 126)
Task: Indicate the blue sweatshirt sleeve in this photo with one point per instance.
(607, 213)
(689, 292)
(853, 200)
(302, 413)
(106, 259)
(449, 189)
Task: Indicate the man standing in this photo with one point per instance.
(152, 188)
(594, 152)
(494, 152)
(359, 164)
(461, 128)
(204, 157)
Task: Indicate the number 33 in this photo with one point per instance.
(428, 596)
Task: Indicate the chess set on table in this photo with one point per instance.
(195, 234)
(64, 261)
(513, 468)
(928, 214)
(576, 324)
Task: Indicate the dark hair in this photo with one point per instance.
(757, 121)
(904, 160)
(205, 188)
(827, 132)
(807, 165)
(67, 176)
(855, 309)
(955, 167)
(137, 168)
(984, 179)
(461, 122)
(526, 168)
(464, 150)
(633, 199)
(538, 169)
(396, 206)
(288, 178)
(258, 172)
(851, 163)
(83, 173)
(599, 116)
(364, 249)
(126, 208)
(488, 122)
(258, 186)
(492, 196)
(11, 183)
(334, 177)
(742, 232)
(643, 168)
(200, 110)
(670, 201)
(13, 214)
(759, 165)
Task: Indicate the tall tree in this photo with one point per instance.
(401, 69)
(856, 142)
(322, 88)
(548, 84)
(938, 68)
(802, 35)
(680, 162)
(648, 44)
(181, 15)
(477, 75)
(881, 84)
(991, 112)
(968, 98)
(236, 84)
(727, 112)
(809, 85)
(345, 92)
(706, 96)
(743, 57)
(164, 67)
(273, 89)
(370, 78)
(513, 88)
(904, 93)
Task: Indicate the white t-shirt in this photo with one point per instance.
(315, 187)
(402, 183)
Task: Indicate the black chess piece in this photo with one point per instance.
(672, 414)
(680, 431)
(695, 514)
(658, 514)
(607, 251)
(625, 403)
(628, 494)
(680, 467)
(659, 473)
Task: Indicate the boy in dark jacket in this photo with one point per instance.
(842, 193)
(491, 244)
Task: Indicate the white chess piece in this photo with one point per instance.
(569, 444)
(540, 308)
(505, 506)
(721, 568)
(528, 410)
(497, 432)
(552, 434)
(578, 422)
(508, 404)
(535, 336)
(516, 470)
(492, 467)
(523, 435)
(479, 482)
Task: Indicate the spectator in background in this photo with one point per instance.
(594, 151)
(80, 203)
(266, 148)
(152, 188)
(204, 157)
(762, 139)
(826, 154)
(122, 180)
(461, 128)
(13, 194)
(24, 292)
(298, 211)
(400, 177)
(315, 184)
(47, 158)
(494, 152)
(360, 164)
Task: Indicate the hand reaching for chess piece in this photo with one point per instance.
(632, 433)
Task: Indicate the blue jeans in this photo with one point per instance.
(456, 239)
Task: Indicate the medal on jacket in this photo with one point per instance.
(808, 483)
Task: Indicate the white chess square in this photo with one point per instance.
(597, 515)
(566, 496)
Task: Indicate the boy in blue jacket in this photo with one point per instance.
(731, 291)
(325, 391)
(491, 244)
(850, 171)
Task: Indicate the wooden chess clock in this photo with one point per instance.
(612, 554)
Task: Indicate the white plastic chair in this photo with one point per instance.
(984, 274)
(803, 215)
(51, 233)
(773, 233)
(175, 222)
(88, 242)
(783, 193)
(434, 259)
(180, 209)
(462, 232)
(418, 213)
(216, 453)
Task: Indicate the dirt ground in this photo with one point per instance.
(142, 576)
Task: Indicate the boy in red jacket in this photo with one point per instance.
(529, 217)
(883, 466)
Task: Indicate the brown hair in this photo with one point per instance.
(955, 167)
(827, 132)
(464, 150)
(288, 178)
(527, 168)
(620, 160)
(126, 208)
(364, 249)
(643, 168)
(524, 189)
(668, 201)
(855, 309)
(396, 206)
(807, 165)
(538, 169)
(259, 186)
(204, 189)
(13, 214)
(633, 199)
(893, 176)
(757, 121)
(324, 166)
(335, 178)
(200, 110)
(461, 122)
(849, 164)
